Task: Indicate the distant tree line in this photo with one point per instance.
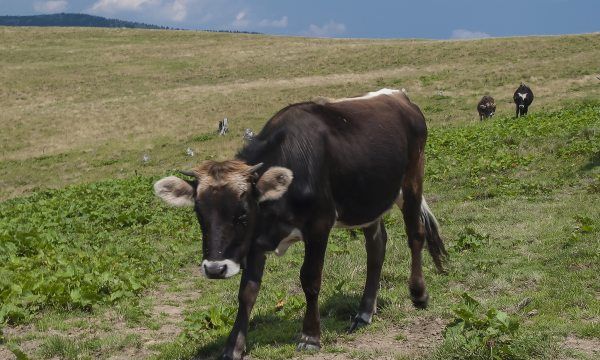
(82, 20)
(233, 31)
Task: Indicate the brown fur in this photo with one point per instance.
(231, 173)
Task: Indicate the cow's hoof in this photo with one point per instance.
(308, 343)
(421, 301)
(227, 357)
(357, 323)
(234, 356)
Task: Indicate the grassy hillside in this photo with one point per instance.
(92, 266)
(86, 104)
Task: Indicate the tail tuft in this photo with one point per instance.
(435, 244)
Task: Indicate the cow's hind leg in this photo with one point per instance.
(376, 239)
(412, 192)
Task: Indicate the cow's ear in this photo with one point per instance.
(175, 191)
(274, 183)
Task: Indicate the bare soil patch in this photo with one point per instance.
(411, 340)
(590, 348)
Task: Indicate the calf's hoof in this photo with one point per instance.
(309, 343)
(229, 357)
(358, 322)
(235, 356)
(420, 302)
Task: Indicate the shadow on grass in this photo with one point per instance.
(593, 163)
(274, 330)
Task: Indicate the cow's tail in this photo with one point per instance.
(435, 244)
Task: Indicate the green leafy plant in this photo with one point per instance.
(469, 239)
(584, 225)
(205, 137)
(479, 330)
(217, 320)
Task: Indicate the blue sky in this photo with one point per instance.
(436, 19)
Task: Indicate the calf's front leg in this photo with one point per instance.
(310, 277)
(249, 286)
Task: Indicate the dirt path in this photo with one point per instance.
(417, 337)
(589, 348)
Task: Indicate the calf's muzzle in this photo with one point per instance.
(220, 269)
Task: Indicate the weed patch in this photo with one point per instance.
(481, 331)
(469, 239)
(204, 325)
(84, 246)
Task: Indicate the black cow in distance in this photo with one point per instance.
(523, 97)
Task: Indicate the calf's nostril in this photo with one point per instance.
(223, 269)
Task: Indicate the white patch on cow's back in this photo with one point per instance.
(294, 236)
(370, 95)
(523, 96)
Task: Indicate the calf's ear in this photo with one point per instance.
(274, 183)
(175, 191)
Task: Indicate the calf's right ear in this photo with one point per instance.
(175, 191)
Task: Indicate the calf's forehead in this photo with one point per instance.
(228, 175)
(235, 183)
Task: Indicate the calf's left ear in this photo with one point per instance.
(175, 191)
(274, 183)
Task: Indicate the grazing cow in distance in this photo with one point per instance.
(314, 165)
(486, 107)
(523, 97)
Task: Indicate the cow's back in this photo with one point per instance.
(369, 160)
(352, 152)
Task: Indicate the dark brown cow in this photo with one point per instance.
(313, 166)
(486, 107)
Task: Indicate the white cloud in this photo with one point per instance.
(330, 29)
(241, 20)
(281, 23)
(467, 34)
(178, 10)
(113, 6)
(174, 10)
(52, 6)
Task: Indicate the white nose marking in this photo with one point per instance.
(232, 267)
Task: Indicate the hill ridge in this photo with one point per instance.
(73, 19)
